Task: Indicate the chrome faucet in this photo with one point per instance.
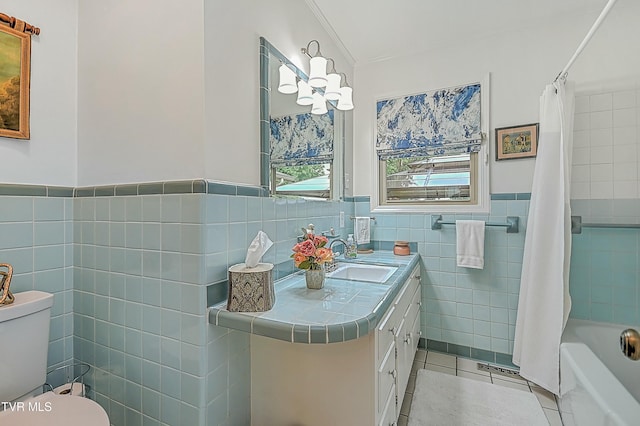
(338, 240)
(331, 266)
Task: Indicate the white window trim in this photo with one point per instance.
(484, 197)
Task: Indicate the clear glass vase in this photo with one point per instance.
(315, 278)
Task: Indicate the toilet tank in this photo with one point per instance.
(24, 343)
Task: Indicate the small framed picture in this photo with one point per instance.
(517, 142)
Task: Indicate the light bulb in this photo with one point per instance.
(346, 102)
(305, 93)
(318, 72)
(332, 92)
(287, 80)
(319, 104)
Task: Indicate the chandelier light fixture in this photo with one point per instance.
(320, 87)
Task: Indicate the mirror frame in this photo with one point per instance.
(337, 187)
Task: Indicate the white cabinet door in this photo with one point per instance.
(405, 339)
(397, 338)
(390, 414)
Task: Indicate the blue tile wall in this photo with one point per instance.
(605, 263)
(466, 307)
(143, 266)
(36, 238)
(140, 304)
(135, 270)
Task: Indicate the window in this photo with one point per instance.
(302, 154)
(430, 151)
(447, 179)
(313, 180)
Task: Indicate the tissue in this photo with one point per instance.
(259, 246)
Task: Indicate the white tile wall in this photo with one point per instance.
(605, 148)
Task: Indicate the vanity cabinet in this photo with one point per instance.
(397, 337)
(354, 382)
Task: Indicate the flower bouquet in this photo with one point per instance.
(311, 254)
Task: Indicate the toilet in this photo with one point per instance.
(24, 337)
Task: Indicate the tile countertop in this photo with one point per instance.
(342, 310)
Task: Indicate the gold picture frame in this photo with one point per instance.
(15, 76)
(517, 141)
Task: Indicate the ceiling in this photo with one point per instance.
(372, 30)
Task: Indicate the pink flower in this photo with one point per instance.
(324, 255)
(306, 248)
(320, 240)
(311, 253)
(298, 258)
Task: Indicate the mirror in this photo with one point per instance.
(296, 159)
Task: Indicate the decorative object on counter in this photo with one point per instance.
(517, 142)
(251, 289)
(251, 283)
(401, 248)
(351, 251)
(311, 254)
(6, 298)
(314, 278)
(258, 247)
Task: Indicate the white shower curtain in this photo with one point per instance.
(544, 303)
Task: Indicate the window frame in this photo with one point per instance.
(483, 199)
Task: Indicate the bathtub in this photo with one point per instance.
(598, 384)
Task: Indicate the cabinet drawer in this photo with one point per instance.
(413, 309)
(389, 417)
(410, 288)
(386, 377)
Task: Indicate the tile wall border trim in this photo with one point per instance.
(495, 196)
(511, 196)
(21, 190)
(194, 186)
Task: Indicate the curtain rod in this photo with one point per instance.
(590, 34)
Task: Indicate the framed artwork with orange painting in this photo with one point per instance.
(15, 71)
(517, 142)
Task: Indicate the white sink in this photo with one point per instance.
(360, 272)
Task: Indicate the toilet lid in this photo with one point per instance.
(51, 409)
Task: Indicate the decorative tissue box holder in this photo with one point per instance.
(251, 289)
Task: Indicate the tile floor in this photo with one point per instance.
(463, 367)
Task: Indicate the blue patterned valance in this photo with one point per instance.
(301, 139)
(442, 122)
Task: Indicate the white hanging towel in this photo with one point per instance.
(544, 302)
(363, 230)
(470, 243)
